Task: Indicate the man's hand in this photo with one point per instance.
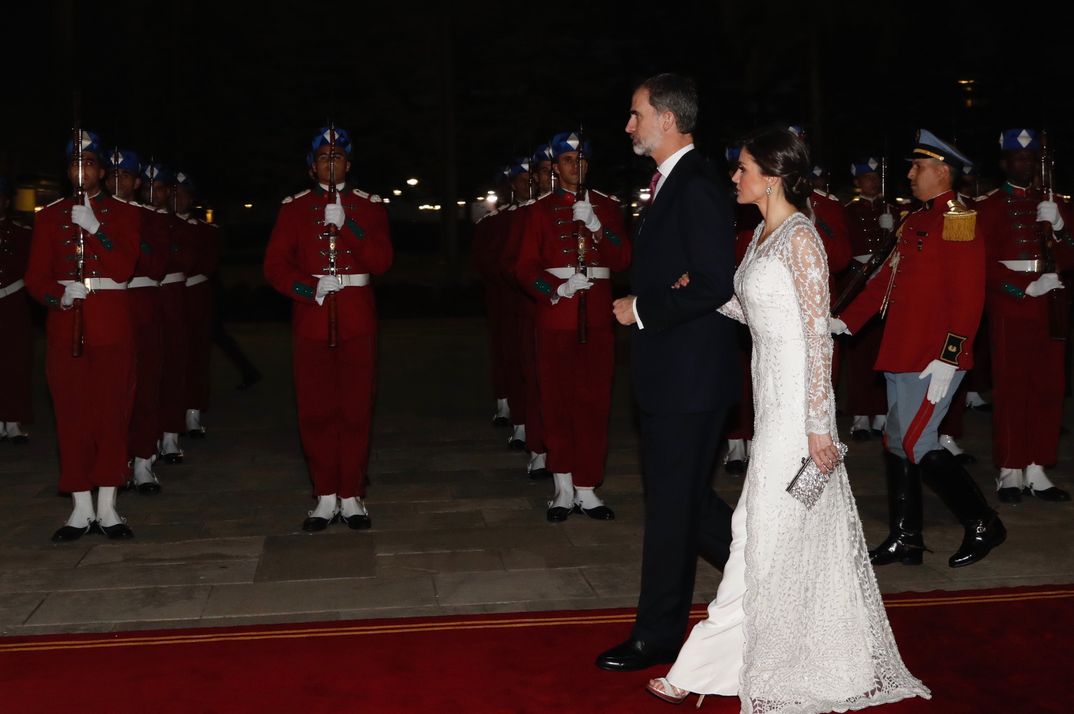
(624, 310)
(82, 216)
(837, 326)
(334, 214)
(1048, 211)
(886, 221)
(72, 292)
(583, 211)
(1044, 285)
(326, 285)
(942, 374)
(573, 284)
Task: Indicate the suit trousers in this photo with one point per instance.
(683, 517)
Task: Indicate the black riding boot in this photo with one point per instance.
(959, 492)
(905, 542)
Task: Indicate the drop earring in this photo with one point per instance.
(768, 190)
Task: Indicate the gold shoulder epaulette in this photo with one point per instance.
(959, 222)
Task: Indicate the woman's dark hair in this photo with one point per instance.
(779, 152)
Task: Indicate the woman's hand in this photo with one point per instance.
(682, 282)
(823, 452)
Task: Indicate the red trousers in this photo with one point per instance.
(512, 352)
(148, 346)
(867, 388)
(92, 397)
(494, 311)
(174, 362)
(334, 389)
(535, 440)
(1027, 390)
(16, 358)
(199, 320)
(576, 399)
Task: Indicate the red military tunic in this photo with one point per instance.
(92, 394)
(1028, 365)
(484, 264)
(830, 220)
(575, 380)
(334, 386)
(174, 324)
(146, 313)
(205, 245)
(16, 330)
(867, 391)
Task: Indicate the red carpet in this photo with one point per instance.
(980, 651)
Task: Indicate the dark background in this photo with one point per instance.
(233, 91)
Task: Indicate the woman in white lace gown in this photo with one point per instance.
(798, 624)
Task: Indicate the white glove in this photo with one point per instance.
(837, 326)
(576, 282)
(942, 374)
(887, 221)
(583, 211)
(326, 285)
(72, 292)
(82, 216)
(334, 214)
(1048, 211)
(1043, 285)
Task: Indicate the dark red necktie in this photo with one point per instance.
(652, 185)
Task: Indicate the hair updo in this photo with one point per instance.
(780, 153)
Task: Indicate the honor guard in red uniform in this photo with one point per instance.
(16, 330)
(326, 244)
(570, 247)
(83, 253)
(204, 246)
(1028, 243)
(930, 293)
(143, 294)
(870, 218)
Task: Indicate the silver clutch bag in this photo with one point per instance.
(809, 482)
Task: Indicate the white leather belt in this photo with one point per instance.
(1024, 266)
(864, 258)
(98, 284)
(143, 282)
(351, 280)
(12, 288)
(173, 278)
(594, 273)
(196, 279)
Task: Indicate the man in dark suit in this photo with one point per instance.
(684, 361)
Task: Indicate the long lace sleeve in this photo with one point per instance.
(808, 265)
(733, 309)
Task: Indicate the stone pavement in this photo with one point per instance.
(458, 528)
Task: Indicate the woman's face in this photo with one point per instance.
(750, 184)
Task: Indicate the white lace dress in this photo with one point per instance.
(798, 624)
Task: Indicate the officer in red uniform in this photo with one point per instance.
(143, 294)
(870, 218)
(16, 330)
(205, 257)
(334, 385)
(91, 392)
(1028, 370)
(575, 378)
(932, 291)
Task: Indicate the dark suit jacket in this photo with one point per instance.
(685, 360)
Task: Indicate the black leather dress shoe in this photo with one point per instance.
(539, 474)
(965, 458)
(176, 457)
(1053, 494)
(501, 421)
(600, 513)
(70, 533)
(119, 531)
(861, 435)
(736, 467)
(149, 488)
(516, 445)
(198, 433)
(633, 655)
(877, 432)
(314, 524)
(1012, 494)
(357, 522)
(20, 439)
(980, 538)
(557, 514)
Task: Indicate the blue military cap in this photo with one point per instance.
(866, 165)
(518, 166)
(930, 146)
(798, 130)
(89, 141)
(542, 153)
(124, 159)
(324, 136)
(818, 171)
(1017, 139)
(158, 173)
(731, 153)
(568, 141)
(183, 179)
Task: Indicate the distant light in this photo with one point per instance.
(436, 207)
(208, 215)
(247, 205)
(967, 81)
(481, 198)
(397, 192)
(386, 200)
(425, 207)
(411, 182)
(634, 204)
(460, 203)
(491, 198)
(37, 208)
(643, 195)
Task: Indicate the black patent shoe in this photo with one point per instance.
(736, 467)
(557, 514)
(516, 445)
(861, 435)
(980, 538)
(600, 513)
(1053, 494)
(539, 474)
(149, 488)
(316, 524)
(357, 522)
(899, 548)
(119, 531)
(198, 433)
(71, 533)
(175, 457)
(20, 439)
(1011, 494)
(633, 655)
(501, 421)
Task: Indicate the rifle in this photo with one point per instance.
(331, 233)
(581, 241)
(78, 341)
(861, 277)
(1056, 313)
